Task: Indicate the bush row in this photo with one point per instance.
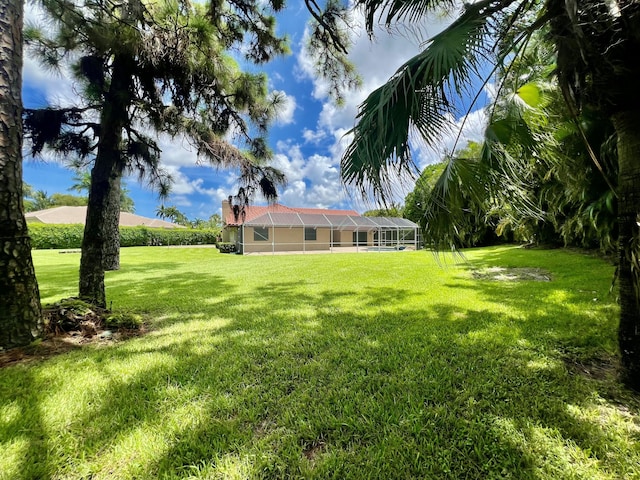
(70, 236)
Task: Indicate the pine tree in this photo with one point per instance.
(20, 311)
(155, 66)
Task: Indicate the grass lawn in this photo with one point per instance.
(349, 366)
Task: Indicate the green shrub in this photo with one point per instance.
(226, 247)
(45, 236)
(55, 236)
(123, 320)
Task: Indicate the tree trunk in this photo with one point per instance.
(100, 244)
(111, 260)
(20, 310)
(627, 125)
(101, 241)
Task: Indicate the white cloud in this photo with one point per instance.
(312, 136)
(181, 201)
(314, 181)
(56, 87)
(176, 152)
(376, 60)
(286, 108)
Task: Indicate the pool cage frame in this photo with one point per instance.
(368, 233)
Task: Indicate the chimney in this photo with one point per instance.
(226, 210)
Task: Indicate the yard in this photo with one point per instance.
(345, 366)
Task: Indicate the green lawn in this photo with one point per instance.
(380, 365)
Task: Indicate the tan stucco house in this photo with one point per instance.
(278, 228)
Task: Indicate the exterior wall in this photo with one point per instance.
(230, 234)
(286, 239)
(292, 240)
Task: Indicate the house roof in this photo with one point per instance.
(338, 220)
(77, 215)
(252, 212)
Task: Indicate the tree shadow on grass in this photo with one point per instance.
(435, 392)
(464, 412)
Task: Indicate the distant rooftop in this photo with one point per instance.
(78, 215)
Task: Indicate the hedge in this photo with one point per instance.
(70, 236)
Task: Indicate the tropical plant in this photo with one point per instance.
(41, 200)
(60, 199)
(20, 311)
(593, 42)
(173, 214)
(573, 194)
(534, 148)
(215, 221)
(446, 211)
(144, 67)
(82, 179)
(415, 202)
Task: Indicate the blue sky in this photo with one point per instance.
(308, 137)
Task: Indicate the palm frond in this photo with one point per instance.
(390, 11)
(452, 204)
(414, 100)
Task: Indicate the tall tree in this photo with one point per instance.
(393, 210)
(594, 41)
(155, 66)
(20, 310)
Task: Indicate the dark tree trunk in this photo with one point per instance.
(627, 125)
(100, 244)
(111, 260)
(20, 310)
(101, 241)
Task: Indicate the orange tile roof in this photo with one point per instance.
(254, 211)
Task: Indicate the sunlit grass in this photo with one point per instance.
(383, 365)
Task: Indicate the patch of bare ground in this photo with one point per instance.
(72, 324)
(314, 450)
(606, 371)
(595, 368)
(503, 274)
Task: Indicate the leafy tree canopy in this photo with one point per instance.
(392, 211)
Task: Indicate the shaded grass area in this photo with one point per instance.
(331, 366)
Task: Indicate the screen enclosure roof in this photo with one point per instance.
(342, 222)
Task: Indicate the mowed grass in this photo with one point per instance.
(349, 366)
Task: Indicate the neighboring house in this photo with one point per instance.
(277, 228)
(78, 215)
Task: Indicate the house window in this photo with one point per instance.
(359, 238)
(310, 233)
(260, 234)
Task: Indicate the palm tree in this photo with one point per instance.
(20, 310)
(594, 42)
(173, 214)
(41, 200)
(538, 182)
(82, 180)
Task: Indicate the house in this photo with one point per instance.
(278, 228)
(78, 215)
